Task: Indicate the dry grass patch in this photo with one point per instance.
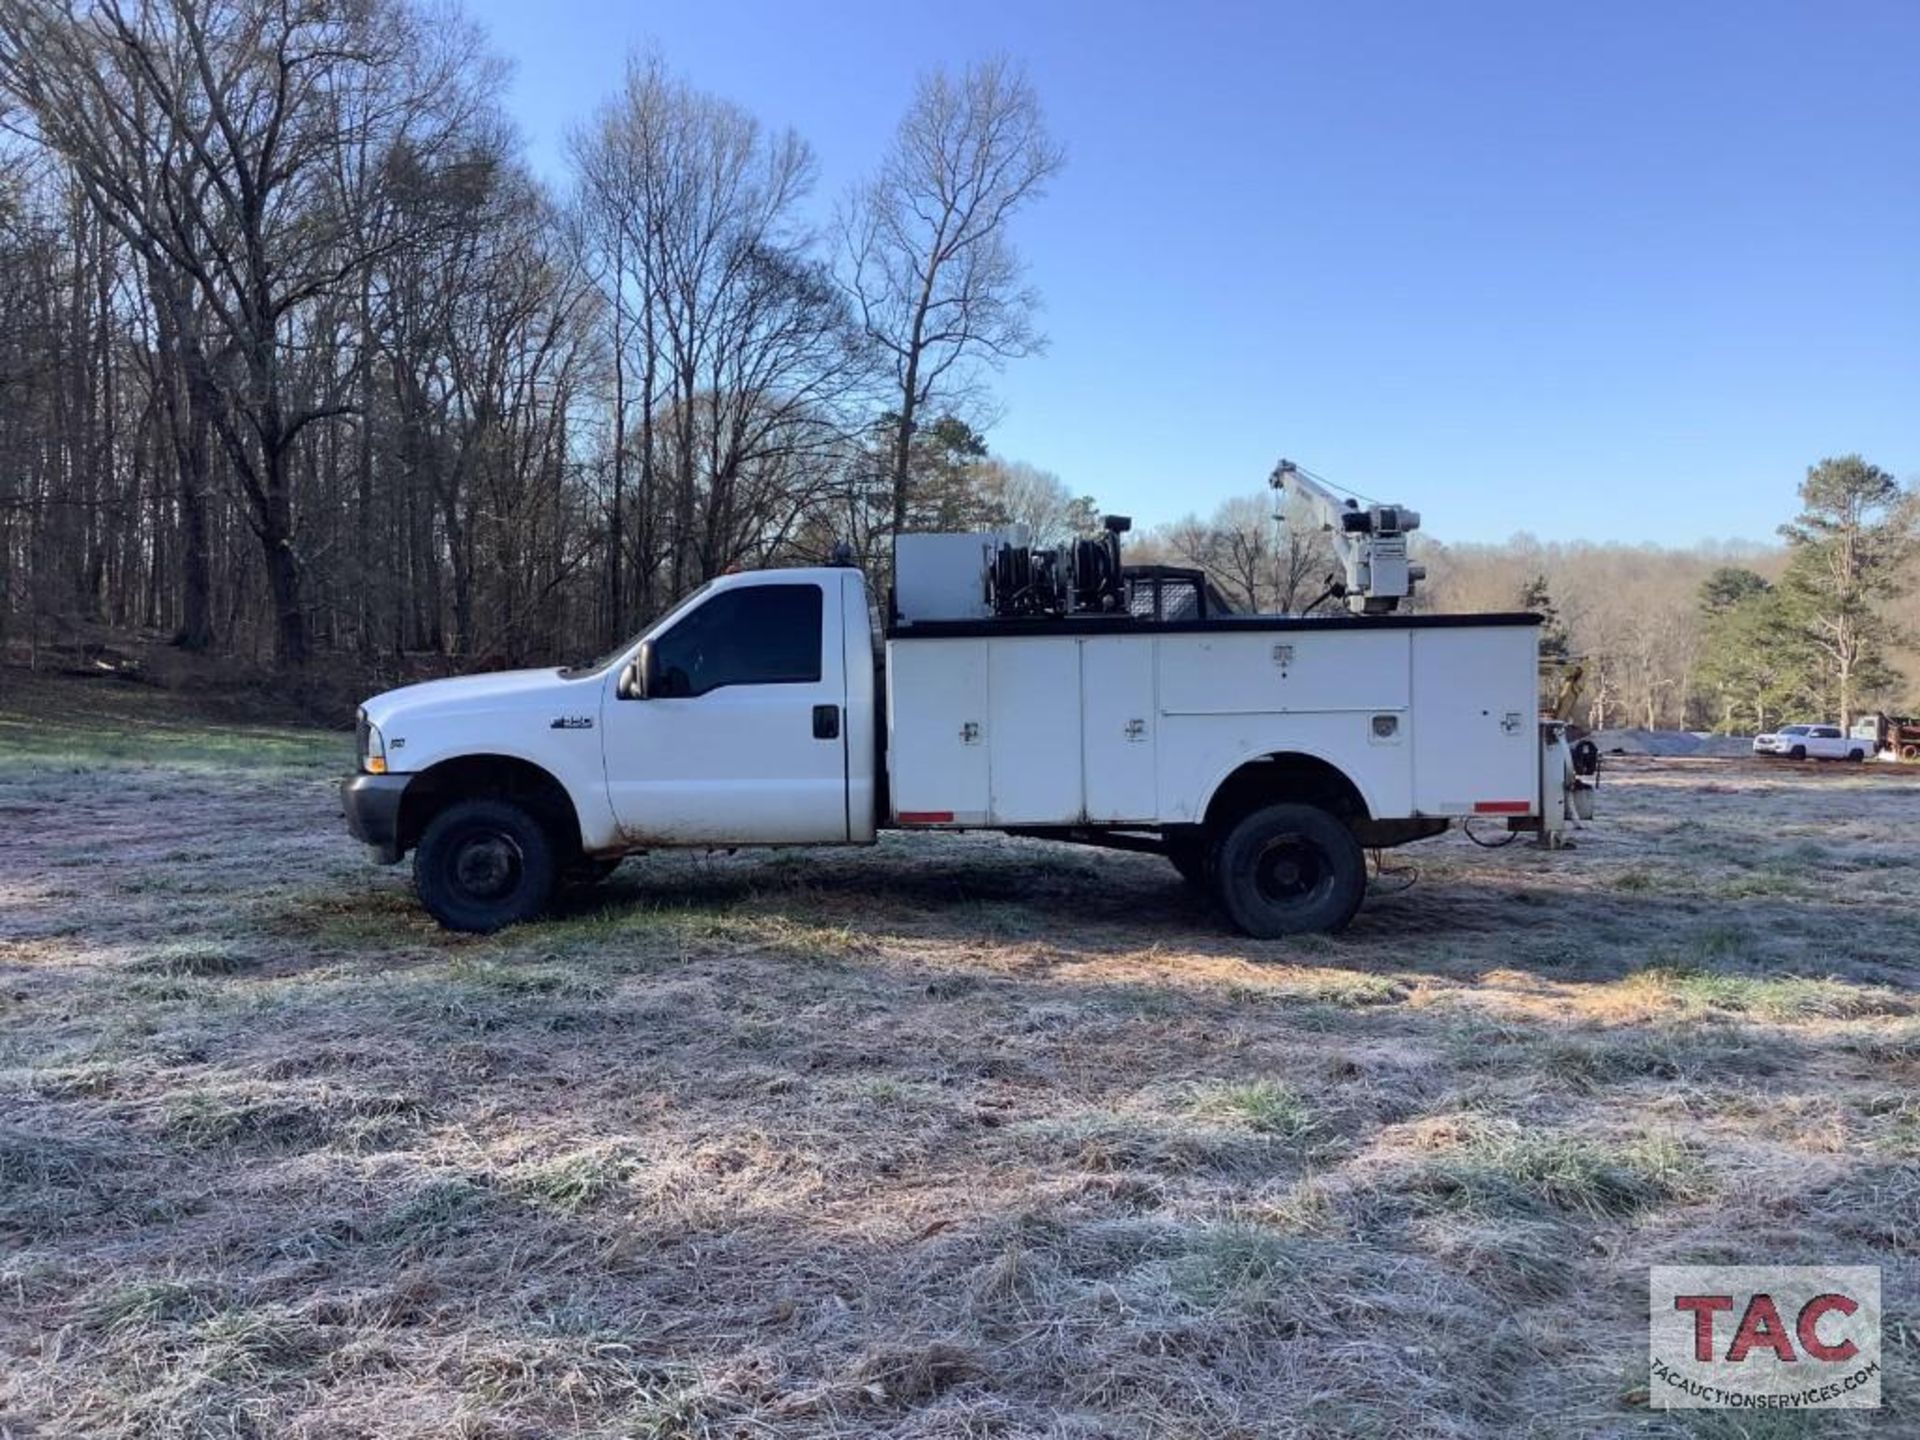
(1692, 992)
(1249, 1269)
(1266, 1107)
(1503, 1167)
(1345, 990)
(149, 1302)
(198, 958)
(289, 1118)
(1109, 1142)
(1592, 1059)
(571, 1183)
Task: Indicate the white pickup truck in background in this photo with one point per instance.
(1054, 694)
(1812, 742)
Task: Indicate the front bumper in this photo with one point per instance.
(372, 806)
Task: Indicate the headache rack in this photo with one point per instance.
(1171, 592)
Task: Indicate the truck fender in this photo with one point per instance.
(1321, 767)
(497, 770)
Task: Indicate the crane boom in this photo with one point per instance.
(1370, 542)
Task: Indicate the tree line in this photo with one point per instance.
(298, 357)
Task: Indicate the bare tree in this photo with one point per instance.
(1256, 560)
(208, 132)
(929, 260)
(744, 361)
(1023, 494)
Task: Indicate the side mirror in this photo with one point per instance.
(641, 677)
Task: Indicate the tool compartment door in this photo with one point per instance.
(1119, 740)
(1476, 745)
(1034, 730)
(937, 731)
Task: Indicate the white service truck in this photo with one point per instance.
(1048, 693)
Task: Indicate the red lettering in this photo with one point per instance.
(1761, 1326)
(1810, 1316)
(1703, 1307)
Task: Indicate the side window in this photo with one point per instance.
(757, 635)
(1827, 732)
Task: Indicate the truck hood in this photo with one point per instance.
(470, 693)
(547, 717)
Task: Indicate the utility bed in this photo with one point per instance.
(1112, 721)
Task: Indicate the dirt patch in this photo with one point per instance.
(949, 1137)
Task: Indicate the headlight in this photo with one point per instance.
(373, 746)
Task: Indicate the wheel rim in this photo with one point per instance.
(1292, 872)
(485, 865)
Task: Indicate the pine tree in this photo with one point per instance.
(1851, 543)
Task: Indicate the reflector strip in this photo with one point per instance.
(926, 817)
(1502, 807)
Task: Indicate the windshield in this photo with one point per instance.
(1793, 730)
(599, 664)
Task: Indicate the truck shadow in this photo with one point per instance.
(1456, 923)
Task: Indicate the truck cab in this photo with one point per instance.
(745, 715)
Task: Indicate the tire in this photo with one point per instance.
(1858, 757)
(1799, 752)
(483, 865)
(1288, 870)
(1194, 862)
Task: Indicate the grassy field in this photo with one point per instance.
(960, 1137)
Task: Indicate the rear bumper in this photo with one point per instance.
(372, 807)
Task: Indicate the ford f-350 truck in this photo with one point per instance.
(1051, 694)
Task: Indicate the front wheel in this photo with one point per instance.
(483, 865)
(1290, 869)
(1799, 752)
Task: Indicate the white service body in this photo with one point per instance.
(1142, 729)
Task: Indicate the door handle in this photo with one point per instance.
(826, 722)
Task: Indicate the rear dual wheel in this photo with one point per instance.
(1288, 870)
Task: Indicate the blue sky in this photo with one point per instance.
(1609, 271)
